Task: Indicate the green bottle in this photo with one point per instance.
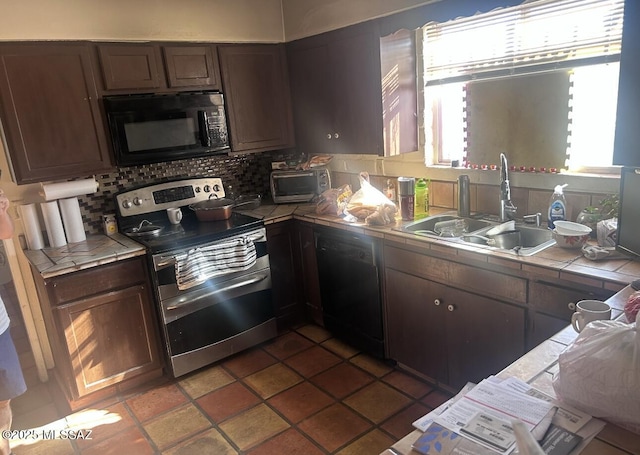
(421, 209)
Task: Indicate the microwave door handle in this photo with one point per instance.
(203, 123)
(296, 175)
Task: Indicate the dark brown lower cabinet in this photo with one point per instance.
(103, 330)
(309, 272)
(449, 335)
(551, 306)
(284, 259)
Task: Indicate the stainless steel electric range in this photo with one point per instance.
(207, 309)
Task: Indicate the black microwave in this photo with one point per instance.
(152, 128)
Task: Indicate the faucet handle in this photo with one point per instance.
(535, 218)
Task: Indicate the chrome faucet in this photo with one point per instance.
(507, 209)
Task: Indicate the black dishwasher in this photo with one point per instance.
(350, 288)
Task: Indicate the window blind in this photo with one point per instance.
(535, 36)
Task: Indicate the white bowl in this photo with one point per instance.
(570, 241)
(570, 228)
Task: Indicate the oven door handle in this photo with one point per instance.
(251, 280)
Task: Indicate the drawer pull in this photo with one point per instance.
(451, 307)
(572, 306)
(437, 302)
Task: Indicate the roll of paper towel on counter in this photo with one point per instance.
(53, 191)
(32, 229)
(72, 220)
(53, 224)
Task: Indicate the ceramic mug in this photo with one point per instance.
(175, 215)
(587, 311)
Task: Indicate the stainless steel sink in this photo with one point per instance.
(426, 226)
(532, 240)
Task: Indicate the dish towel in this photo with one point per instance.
(202, 263)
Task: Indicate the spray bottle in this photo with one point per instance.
(557, 206)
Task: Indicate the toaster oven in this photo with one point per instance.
(298, 186)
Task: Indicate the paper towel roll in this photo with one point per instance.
(72, 220)
(31, 224)
(52, 191)
(53, 224)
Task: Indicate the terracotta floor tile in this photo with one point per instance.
(104, 423)
(32, 399)
(374, 366)
(209, 442)
(312, 361)
(156, 401)
(129, 441)
(287, 345)
(340, 348)
(377, 401)
(291, 442)
(435, 399)
(334, 427)
(253, 426)
(249, 362)
(314, 332)
(227, 401)
(205, 381)
(400, 424)
(373, 442)
(272, 380)
(407, 384)
(46, 447)
(36, 418)
(176, 426)
(342, 380)
(300, 401)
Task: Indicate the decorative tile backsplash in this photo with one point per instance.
(240, 174)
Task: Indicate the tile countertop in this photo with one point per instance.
(95, 250)
(553, 262)
(537, 368)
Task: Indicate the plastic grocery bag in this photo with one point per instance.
(370, 204)
(600, 373)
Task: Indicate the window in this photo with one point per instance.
(537, 82)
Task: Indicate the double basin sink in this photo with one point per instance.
(533, 239)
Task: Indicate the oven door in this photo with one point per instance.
(219, 317)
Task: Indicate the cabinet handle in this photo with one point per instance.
(572, 306)
(337, 136)
(450, 307)
(329, 136)
(437, 302)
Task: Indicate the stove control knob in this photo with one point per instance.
(197, 189)
(137, 201)
(207, 189)
(126, 204)
(216, 188)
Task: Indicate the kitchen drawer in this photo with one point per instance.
(465, 277)
(558, 300)
(77, 285)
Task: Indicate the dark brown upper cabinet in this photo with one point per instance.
(158, 67)
(50, 114)
(256, 88)
(625, 150)
(192, 66)
(336, 91)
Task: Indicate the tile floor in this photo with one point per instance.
(303, 393)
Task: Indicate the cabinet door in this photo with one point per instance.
(109, 338)
(551, 306)
(192, 66)
(311, 282)
(256, 88)
(49, 106)
(130, 66)
(415, 324)
(283, 258)
(483, 336)
(356, 95)
(312, 105)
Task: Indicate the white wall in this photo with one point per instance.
(180, 20)
(310, 17)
